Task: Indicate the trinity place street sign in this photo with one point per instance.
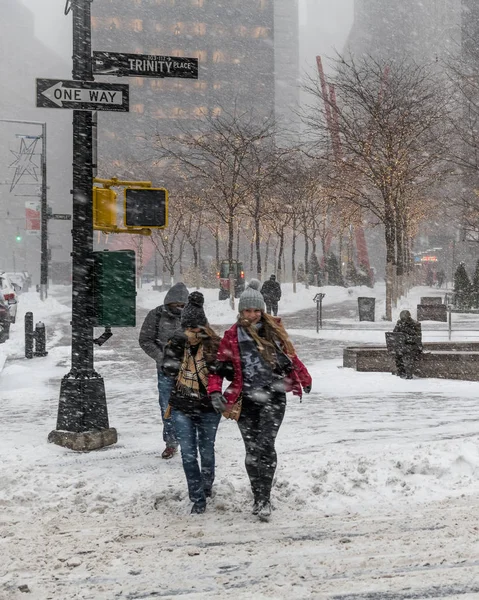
(82, 95)
(144, 65)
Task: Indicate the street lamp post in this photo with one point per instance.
(43, 206)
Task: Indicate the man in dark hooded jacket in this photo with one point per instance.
(410, 347)
(271, 292)
(158, 327)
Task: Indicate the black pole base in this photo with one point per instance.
(82, 422)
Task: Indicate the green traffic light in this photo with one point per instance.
(18, 238)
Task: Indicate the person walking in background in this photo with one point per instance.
(158, 327)
(441, 276)
(410, 348)
(262, 364)
(271, 291)
(189, 358)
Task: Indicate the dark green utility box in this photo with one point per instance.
(114, 290)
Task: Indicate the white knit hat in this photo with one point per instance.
(251, 297)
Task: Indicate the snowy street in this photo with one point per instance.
(375, 492)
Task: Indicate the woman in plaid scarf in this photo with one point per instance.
(189, 358)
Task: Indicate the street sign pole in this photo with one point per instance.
(44, 220)
(82, 422)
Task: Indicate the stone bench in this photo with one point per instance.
(444, 360)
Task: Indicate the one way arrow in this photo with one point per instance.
(59, 94)
(82, 95)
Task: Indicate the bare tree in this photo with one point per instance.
(389, 124)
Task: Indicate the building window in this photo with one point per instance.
(199, 54)
(138, 81)
(138, 108)
(242, 31)
(200, 85)
(200, 111)
(95, 22)
(113, 23)
(260, 32)
(136, 25)
(197, 2)
(178, 112)
(216, 112)
(262, 4)
(199, 28)
(219, 56)
(217, 85)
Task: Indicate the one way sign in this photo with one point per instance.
(82, 95)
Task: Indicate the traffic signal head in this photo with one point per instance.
(104, 208)
(146, 207)
(18, 237)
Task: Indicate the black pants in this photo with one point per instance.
(259, 425)
(271, 305)
(405, 363)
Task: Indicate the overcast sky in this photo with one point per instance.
(319, 36)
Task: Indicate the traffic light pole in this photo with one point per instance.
(82, 422)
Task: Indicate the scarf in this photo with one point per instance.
(257, 371)
(193, 376)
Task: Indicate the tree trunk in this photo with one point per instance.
(231, 238)
(306, 256)
(324, 260)
(293, 256)
(390, 264)
(280, 256)
(257, 236)
(238, 242)
(266, 254)
(217, 248)
(251, 254)
(399, 261)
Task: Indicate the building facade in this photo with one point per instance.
(24, 58)
(425, 31)
(239, 63)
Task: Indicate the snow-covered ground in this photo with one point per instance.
(376, 490)
(219, 312)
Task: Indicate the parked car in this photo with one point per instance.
(9, 295)
(4, 320)
(21, 280)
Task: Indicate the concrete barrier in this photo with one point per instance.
(443, 360)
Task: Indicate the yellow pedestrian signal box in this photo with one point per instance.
(104, 208)
(146, 207)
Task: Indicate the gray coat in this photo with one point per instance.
(160, 324)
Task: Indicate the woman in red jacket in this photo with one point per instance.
(263, 366)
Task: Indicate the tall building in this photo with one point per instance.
(234, 41)
(425, 31)
(286, 60)
(470, 31)
(25, 58)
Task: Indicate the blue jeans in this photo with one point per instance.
(165, 385)
(197, 432)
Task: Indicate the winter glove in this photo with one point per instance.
(218, 401)
(307, 389)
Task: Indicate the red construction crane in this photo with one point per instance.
(330, 109)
